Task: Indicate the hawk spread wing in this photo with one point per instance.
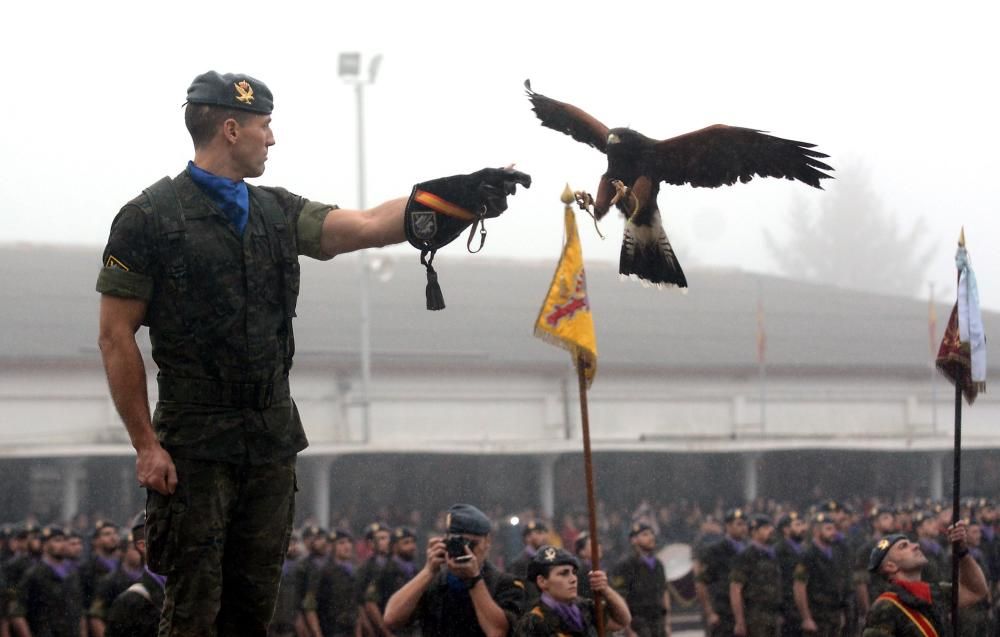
(568, 119)
(721, 155)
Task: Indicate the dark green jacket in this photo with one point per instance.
(541, 621)
(447, 612)
(716, 562)
(885, 619)
(220, 308)
(642, 587)
(760, 574)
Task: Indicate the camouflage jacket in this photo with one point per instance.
(887, 619)
(220, 308)
(760, 574)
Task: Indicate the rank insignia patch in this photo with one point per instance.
(244, 92)
(113, 262)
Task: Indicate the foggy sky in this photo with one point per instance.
(93, 93)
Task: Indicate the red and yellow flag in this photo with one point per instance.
(565, 319)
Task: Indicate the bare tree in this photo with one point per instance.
(853, 241)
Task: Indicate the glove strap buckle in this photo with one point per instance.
(480, 222)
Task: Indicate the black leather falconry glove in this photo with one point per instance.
(439, 210)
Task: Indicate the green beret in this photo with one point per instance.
(465, 518)
(312, 531)
(546, 558)
(100, 525)
(638, 527)
(374, 528)
(882, 549)
(232, 90)
(760, 520)
(53, 531)
(340, 534)
(401, 533)
(534, 525)
(787, 518)
(735, 514)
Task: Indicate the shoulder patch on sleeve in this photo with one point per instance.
(115, 262)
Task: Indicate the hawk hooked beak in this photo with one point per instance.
(613, 139)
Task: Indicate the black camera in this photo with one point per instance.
(455, 546)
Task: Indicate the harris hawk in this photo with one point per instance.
(718, 155)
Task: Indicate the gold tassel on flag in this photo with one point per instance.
(565, 319)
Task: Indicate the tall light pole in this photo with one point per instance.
(349, 69)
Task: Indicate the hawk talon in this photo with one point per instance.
(586, 202)
(621, 190)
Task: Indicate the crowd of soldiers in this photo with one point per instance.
(760, 570)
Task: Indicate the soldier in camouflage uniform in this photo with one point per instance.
(534, 534)
(378, 537)
(975, 619)
(48, 602)
(641, 580)
(926, 529)
(755, 584)
(135, 612)
(789, 549)
(560, 611)
(336, 610)
(822, 582)
(287, 609)
(210, 264)
(307, 575)
(109, 587)
(398, 570)
(712, 568)
(868, 585)
(459, 595)
(912, 607)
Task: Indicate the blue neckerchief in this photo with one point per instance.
(133, 576)
(796, 546)
(530, 552)
(347, 566)
(977, 554)
(825, 550)
(569, 613)
(649, 561)
(766, 549)
(232, 197)
(456, 586)
(61, 569)
(736, 544)
(288, 566)
(109, 563)
(409, 568)
(159, 579)
(988, 533)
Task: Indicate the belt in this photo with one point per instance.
(199, 391)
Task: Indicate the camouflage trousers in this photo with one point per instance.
(220, 540)
(763, 623)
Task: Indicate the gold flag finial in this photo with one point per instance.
(961, 238)
(567, 195)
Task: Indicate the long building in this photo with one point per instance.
(845, 397)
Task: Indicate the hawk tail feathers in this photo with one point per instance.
(647, 256)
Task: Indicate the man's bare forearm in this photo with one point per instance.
(126, 374)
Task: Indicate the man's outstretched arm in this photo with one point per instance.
(349, 230)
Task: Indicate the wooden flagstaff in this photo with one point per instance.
(588, 470)
(565, 321)
(956, 481)
(955, 494)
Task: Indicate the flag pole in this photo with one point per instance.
(588, 470)
(956, 488)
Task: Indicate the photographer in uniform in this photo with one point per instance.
(458, 592)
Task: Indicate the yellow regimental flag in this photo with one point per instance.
(565, 319)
